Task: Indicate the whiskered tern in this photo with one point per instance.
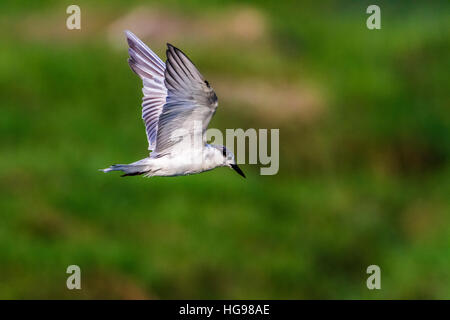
(177, 107)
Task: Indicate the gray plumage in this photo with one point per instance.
(177, 107)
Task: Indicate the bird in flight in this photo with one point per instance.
(177, 107)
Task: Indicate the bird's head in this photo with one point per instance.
(229, 160)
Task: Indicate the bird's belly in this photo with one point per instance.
(180, 166)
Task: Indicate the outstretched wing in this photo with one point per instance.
(150, 69)
(189, 107)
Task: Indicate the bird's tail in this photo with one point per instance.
(132, 169)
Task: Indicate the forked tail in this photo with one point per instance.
(132, 169)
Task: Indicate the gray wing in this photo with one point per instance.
(189, 107)
(150, 69)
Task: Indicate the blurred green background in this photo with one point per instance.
(364, 152)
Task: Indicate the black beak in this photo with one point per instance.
(237, 169)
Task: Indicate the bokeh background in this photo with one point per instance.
(364, 152)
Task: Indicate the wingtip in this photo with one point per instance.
(130, 37)
(170, 50)
(128, 33)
